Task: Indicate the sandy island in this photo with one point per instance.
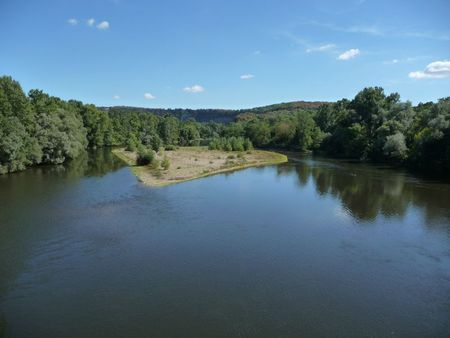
(188, 163)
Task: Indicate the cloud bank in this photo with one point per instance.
(435, 70)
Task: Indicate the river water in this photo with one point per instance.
(311, 248)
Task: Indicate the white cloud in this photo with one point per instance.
(257, 52)
(72, 21)
(149, 96)
(349, 54)
(322, 48)
(90, 22)
(194, 89)
(103, 25)
(116, 97)
(435, 70)
(247, 76)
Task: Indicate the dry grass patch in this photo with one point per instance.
(187, 163)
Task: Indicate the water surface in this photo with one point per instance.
(310, 248)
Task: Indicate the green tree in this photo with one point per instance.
(308, 135)
(189, 134)
(170, 130)
(395, 147)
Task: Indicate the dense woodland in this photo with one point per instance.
(39, 129)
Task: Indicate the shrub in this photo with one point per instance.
(170, 147)
(144, 156)
(228, 146)
(165, 163)
(248, 144)
(154, 164)
(214, 144)
(237, 143)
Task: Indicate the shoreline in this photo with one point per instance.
(190, 163)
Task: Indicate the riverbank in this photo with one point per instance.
(188, 163)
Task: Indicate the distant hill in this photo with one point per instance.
(219, 115)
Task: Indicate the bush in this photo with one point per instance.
(248, 144)
(170, 147)
(237, 143)
(227, 146)
(165, 163)
(144, 156)
(214, 144)
(154, 164)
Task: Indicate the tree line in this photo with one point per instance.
(41, 129)
(373, 126)
(38, 129)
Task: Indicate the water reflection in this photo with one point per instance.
(29, 198)
(367, 191)
(228, 255)
(2, 326)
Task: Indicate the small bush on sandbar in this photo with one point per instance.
(144, 156)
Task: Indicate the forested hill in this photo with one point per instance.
(219, 115)
(200, 115)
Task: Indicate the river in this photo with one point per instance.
(311, 248)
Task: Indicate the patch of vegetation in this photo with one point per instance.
(230, 144)
(165, 163)
(154, 164)
(170, 147)
(144, 156)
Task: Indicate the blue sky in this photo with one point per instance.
(225, 54)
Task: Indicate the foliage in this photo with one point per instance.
(38, 128)
(165, 163)
(144, 156)
(230, 144)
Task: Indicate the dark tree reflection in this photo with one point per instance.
(367, 191)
